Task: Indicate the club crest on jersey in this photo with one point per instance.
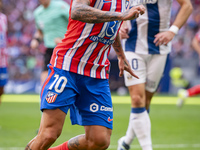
(51, 97)
(112, 28)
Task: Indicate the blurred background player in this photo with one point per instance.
(3, 55)
(147, 46)
(51, 19)
(184, 93)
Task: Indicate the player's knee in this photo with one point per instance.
(50, 136)
(137, 100)
(99, 143)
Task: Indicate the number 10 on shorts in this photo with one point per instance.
(59, 83)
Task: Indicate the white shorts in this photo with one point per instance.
(149, 69)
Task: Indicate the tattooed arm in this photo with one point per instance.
(83, 12)
(122, 61)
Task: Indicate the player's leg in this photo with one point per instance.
(95, 107)
(98, 137)
(184, 93)
(95, 138)
(50, 129)
(149, 96)
(3, 80)
(153, 76)
(139, 122)
(55, 102)
(1, 92)
(146, 67)
(195, 90)
(155, 69)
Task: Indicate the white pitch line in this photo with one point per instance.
(155, 146)
(163, 146)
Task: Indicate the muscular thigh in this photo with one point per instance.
(149, 69)
(155, 68)
(52, 120)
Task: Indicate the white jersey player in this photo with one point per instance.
(146, 45)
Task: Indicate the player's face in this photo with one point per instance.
(44, 2)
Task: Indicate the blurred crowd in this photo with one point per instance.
(183, 55)
(182, 43)
(26, 64)
(23, 62)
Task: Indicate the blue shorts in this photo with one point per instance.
(89, 99)
(3, 76)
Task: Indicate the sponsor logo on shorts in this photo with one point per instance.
(94, 108)
(103, 108)
(51, 97)
(129, 76)
(109, 120)
(150, 83)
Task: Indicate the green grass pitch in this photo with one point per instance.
(172, 128)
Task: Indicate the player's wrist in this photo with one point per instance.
(121, 57)
(174, 29)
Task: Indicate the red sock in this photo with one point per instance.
(63, 146)
(194, 90)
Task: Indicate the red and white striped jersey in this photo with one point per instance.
(85, 48)
(3, 40)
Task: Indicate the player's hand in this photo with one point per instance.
(58, 40)
(133, 13)
(163, 38)
(34, 44)
(123, 32)
(124, 65)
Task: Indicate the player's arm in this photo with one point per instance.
(196, 45)
(124, 30)
(37, 38)
(82, 11)
(122, 61)
(181, 18)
